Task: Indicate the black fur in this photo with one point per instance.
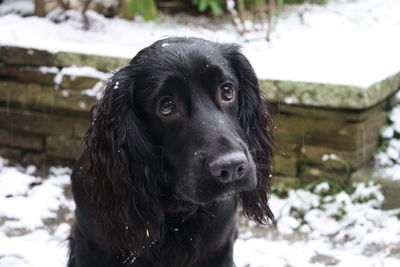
(144, 187)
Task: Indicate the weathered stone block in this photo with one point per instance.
(35, 57)
(36, 75)
(26, 56)
(285, 165)
(42, 123)
(312, 173)
(285, 182)
(21, 140)
(63, 147)
(103, 63)
(314, 94)
(13, 153)
(43, 98)
(328, 133)
(286, 148)
(354, 159)
(339, 115)
(78, 82)
(26, 74)
(81, 126)
(329, 95)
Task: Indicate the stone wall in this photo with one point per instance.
(44, 111)
(305, 135)
(313, 120)
(43, 108)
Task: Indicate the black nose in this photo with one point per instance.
(229, 167)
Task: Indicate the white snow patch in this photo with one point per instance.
(329, 157)
(35, 249)
(388, 161)
(14, 182)
(45, 69)
(28, 205)
(392, 172)
(82, 105)
(23, 7)
(75, 71)
(97, 90)
(321, 188)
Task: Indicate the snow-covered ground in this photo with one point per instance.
(34, 216)
(314, 228)
(353, 42)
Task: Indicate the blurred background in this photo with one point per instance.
(329, 68)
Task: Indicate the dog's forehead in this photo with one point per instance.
(189, 45)
(185, 53)
(186, 62)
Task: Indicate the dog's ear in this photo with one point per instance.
(256, 122)
(121, 186)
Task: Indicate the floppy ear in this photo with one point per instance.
(122, 188)
(256, 122)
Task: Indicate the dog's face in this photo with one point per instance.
(189, 97)
(191, 109)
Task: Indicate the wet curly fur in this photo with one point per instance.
(180, 139)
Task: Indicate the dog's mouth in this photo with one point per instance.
(204, 201)
(225, 196)
(206, 194)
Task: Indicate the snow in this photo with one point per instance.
(261, 253)
(97, 90)
(351, 43)
(75, 71)
(313, 228)
(39, 248)
(329, 157)
(388, 160)
(23, 7)
(28, 204)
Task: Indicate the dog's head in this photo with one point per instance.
(184, 119)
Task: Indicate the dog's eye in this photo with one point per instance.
(167, 106)
(227, 92)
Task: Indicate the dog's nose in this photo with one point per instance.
(229, 167)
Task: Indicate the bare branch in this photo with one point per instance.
(230, 6)
(241, 8)
(63, 4)
(271, 14)
(40, 8)
(86, 24)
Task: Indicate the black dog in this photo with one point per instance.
(179, 139)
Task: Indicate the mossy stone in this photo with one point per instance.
(44, 98)
(63, 147)
(26, 56)
(21, 140)
(42, 123)
(285, 165)
(103, 63)
(26, 74)
(329, 95)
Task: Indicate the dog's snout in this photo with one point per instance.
(229, 167)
